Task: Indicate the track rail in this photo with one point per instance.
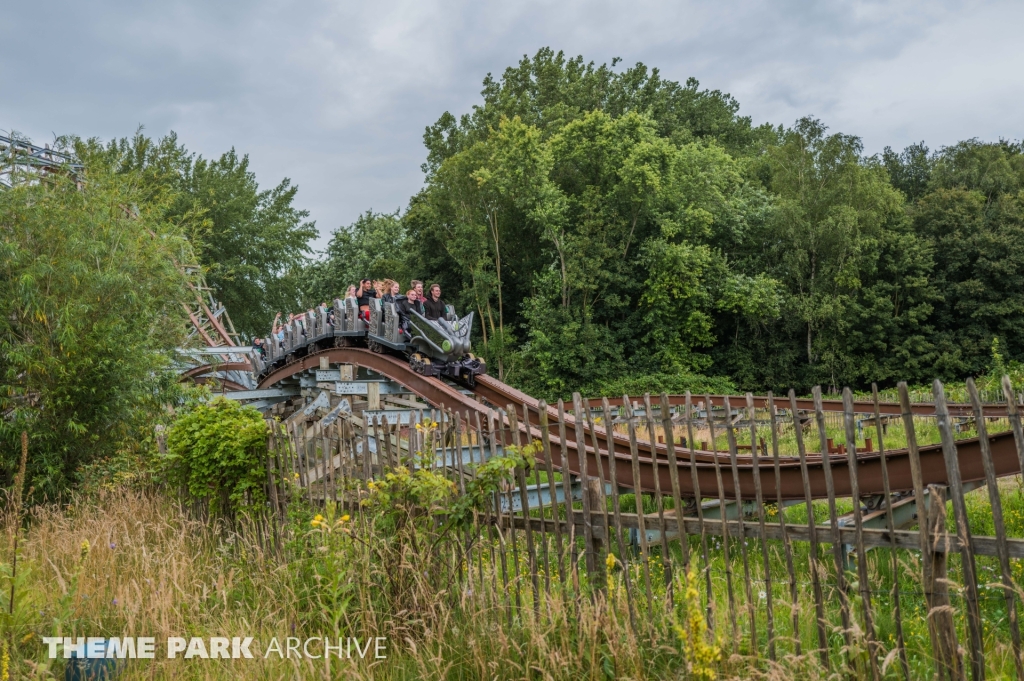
(884, 408)
(498, 394)
(195, 372)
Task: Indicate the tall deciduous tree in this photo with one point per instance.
(253, 242)
(972, 218)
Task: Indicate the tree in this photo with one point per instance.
(483, 202)
(972, 218)
(372, 247)
(253, 242)
(215, 451)
(549, 90)
(910, 170)
(565, 166)
(90, 313)
(833, 240)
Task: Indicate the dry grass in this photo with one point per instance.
(133, 563)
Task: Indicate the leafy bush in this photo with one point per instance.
(214, 450)
(90, 314)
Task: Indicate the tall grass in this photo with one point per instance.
(136, 563)
(130, 562)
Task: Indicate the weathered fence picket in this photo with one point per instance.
(695, 522)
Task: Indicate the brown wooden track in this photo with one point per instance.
(884, 408)
(498, 394)
(220, 383)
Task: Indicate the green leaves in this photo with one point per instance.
(215, 450)
(90, 314)
(370, 248)
(676, 304)
(253, 238)
(253, 242)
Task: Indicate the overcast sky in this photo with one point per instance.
(335, 95)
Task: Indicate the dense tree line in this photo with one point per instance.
(252, 243)
(610, 225)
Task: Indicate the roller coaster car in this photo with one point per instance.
(438, 347)
(349, 328)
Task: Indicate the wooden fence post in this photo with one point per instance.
(709, 612)
(894, 558)
(722, 518)
(936, 587)
(963, 533)
(815, 555)
(613, 476)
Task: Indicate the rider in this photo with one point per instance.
(406, 304)
(391, 291)
(363, 295)
(433, 305)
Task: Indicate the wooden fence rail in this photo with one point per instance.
(878, 570)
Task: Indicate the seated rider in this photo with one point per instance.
(277, 331)
(363, 295)
(406, 304)
(433, 305)
(391, 291)
(416, 302)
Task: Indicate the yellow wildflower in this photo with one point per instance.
(345, 518)
(84, 548)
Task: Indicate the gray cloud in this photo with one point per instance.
(336, 95)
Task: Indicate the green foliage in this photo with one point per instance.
(373, 247)
(253, 242)
(404, 495)
(491, 477)
(89, 317)
(549, 90)
(215, 451)
(972, 219)
(609, 223)
(537, 206)
(600, 228)
(854, 294)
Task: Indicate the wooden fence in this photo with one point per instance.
(846, 579)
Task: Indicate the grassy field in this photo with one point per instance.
(135, 563)
(131, 563)
(458, 601)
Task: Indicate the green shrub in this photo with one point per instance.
(214, 450)
(90, 315)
